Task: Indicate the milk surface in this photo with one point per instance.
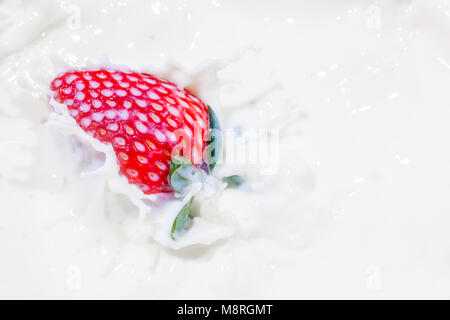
(350, 202)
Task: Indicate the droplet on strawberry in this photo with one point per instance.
(144, 118)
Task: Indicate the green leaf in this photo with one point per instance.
(214, 145)
(182, 174)
(233, 181)
(182, 221)
(176, 162)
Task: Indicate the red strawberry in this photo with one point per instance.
(143, 117)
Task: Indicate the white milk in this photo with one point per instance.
(352, 202)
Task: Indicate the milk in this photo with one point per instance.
(350, 202)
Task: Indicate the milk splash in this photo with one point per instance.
(157, 213)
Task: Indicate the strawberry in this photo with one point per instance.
(144, 118)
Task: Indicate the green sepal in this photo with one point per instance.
(182, 173)
(233, 181)
(214, 145)
(182, 221)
